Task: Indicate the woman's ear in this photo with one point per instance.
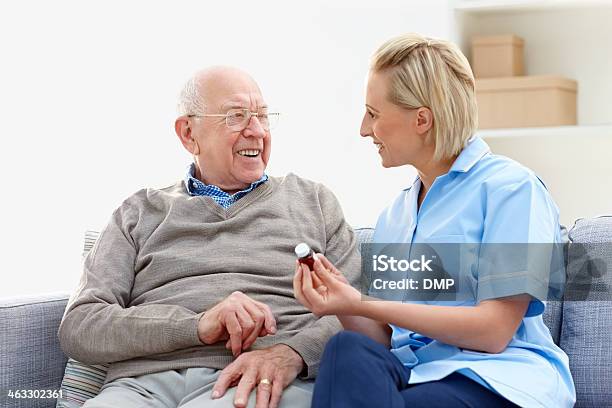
(182, 127)
(424, 118)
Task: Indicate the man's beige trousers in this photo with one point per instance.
(186, 388)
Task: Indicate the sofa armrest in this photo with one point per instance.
(30, 354)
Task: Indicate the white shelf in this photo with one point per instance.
(558, 131)
(484, 6)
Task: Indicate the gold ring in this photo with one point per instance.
(265, 381)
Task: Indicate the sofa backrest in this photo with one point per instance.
(586, 328)
(30, 355)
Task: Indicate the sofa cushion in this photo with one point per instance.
(80, 383)
(586, 333)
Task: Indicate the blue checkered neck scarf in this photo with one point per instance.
(196, 188)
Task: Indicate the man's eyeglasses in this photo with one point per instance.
(238, 119)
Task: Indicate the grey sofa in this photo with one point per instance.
(31, 359)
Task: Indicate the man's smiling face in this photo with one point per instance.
(228, 158)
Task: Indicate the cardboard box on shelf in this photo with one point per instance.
(529, 101)
(497, 56)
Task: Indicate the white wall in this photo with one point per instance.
(87, 97)
(573, 162)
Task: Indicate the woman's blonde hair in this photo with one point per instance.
(432, 73)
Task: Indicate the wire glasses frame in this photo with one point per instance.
(238, 119)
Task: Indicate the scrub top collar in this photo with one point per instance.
(475, 149)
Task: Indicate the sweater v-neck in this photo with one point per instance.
(226, 213)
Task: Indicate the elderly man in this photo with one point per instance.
(188, 291)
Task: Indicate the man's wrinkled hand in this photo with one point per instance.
(270, 371)
(238, 319)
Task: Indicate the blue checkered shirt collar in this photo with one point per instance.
(196, 188)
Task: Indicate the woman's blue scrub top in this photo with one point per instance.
(484, 198)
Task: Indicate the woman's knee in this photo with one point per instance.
(349, 342)
(348, 348)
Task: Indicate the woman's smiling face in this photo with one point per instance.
(399, 133)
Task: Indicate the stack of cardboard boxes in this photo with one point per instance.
(507, 98)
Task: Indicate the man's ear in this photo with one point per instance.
(182, 127)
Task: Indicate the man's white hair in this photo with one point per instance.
(190, 101)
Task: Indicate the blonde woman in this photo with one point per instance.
(494, 351)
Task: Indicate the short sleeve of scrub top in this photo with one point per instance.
(521, 236)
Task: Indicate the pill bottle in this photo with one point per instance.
(305, 255)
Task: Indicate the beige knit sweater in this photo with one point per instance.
(166, 257)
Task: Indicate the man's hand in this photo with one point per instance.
(279, 365)
(239, 318)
